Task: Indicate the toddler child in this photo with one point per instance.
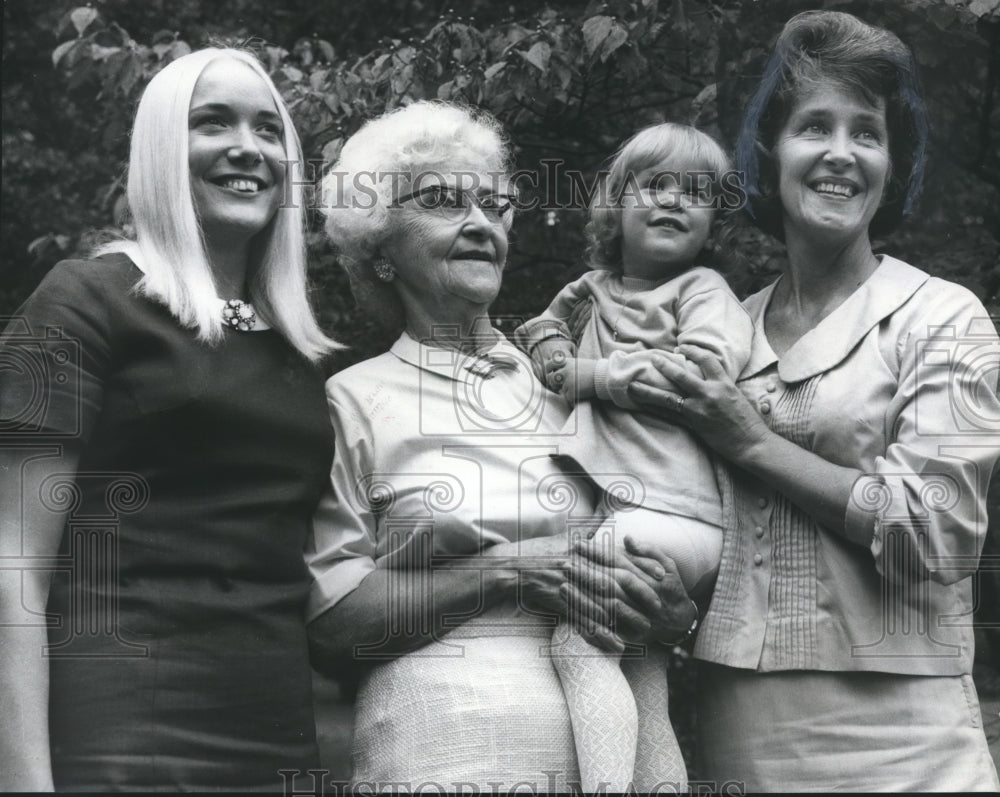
(646, 296)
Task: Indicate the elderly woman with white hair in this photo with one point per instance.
(152, 601)
(445, 547)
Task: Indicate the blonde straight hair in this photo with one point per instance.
(169, 247)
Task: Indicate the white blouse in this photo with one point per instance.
(899, 381)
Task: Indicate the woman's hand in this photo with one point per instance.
(596, 596)
(679, 612)
(711, 405)
(646, 600)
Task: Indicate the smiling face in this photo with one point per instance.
(235, 153)
(665, 224)
(446, 265)
(833, 164)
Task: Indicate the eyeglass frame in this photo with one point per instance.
(462, 194)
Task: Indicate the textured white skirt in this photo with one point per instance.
(484, 706)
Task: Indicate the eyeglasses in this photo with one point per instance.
(455, 204)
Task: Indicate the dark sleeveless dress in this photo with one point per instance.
(178, 652)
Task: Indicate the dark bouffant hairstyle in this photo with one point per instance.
(823, 46)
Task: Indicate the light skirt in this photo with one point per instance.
(840, 731)
(485, 710)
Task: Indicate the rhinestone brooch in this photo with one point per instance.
(239, 315)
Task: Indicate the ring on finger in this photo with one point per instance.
(678, 403)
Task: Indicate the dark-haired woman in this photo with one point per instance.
(839, 639)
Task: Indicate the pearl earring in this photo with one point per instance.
(384, 270)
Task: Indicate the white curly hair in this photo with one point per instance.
(400, 148)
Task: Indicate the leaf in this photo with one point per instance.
(705, 96)
(467, 48)
(303, 51)
(275, 55)
(77, 59)
(379, 66)
(99, 53)
(402, 79)
(616, 37)
(292, 73)
(129, 74)
(515, 34)
(942, 16)
(538, 56)
(61, 50)
(563, 74)
(984, 8)
(82, 17)
(595, 31)
(326, 49)
(405, 54)
(444, 91)
(36, 245)
(180, 48)
(318, 78)
(494, 69)
(83, 70)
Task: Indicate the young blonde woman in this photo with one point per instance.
(153, 628)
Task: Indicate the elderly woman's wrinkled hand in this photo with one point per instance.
(552, 577)
(679, 612)
(637, 595)
(709, 403)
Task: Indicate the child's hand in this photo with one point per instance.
(574, 379)
(551, 354)
(652, 376)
